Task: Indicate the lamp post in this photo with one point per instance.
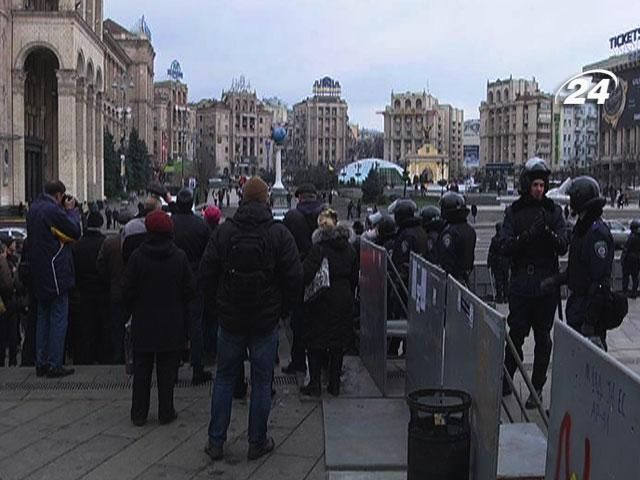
(123, 83)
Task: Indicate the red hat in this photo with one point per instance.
(212, 215)
(158, 222)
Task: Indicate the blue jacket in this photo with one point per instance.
(50, 260)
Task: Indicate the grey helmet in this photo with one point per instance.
(584, 194)
(430, 216)
(535, 168)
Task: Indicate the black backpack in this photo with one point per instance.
(249, 267)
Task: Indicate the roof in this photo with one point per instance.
(359, 170)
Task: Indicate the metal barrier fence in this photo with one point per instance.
(473, 359)
(594, 430)
(425, 329)
(373, 312)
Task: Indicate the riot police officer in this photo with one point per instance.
(410, 237)
(631, 260)
(590, 261)
(457, 240)
(533, 234)
(432, 225)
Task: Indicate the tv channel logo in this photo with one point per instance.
(591, 86)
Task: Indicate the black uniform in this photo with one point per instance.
(533, 234)
(631, 262)
(588, 275)
(456, 249)
(499, 265)
(432, 224)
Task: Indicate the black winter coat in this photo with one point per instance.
(85, 254)
(157, 286)
(631, 252)
(329, 318)
(191, 235)
(301, 222)
(282, 292)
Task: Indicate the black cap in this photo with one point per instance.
(306, 188)
(185, 198)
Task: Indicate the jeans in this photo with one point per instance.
(196, 309)
(51, 330)
(231, 351)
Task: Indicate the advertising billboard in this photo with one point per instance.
(622, 108)
(471, 156)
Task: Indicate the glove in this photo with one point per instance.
(534, 231)
(597, 341)
(549, 284)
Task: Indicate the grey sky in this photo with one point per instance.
(375, 46)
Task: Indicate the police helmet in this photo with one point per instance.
(386, 227)
(403, 210)
(453, 207)
(584, 194)
(430, 216)
(498, 227)
(534, 169)
(634, 225)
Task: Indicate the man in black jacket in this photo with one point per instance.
(251, 265)
(192, 235)
(631, 260)
(301, 222)
(457, 240)
(499, 266)
(533, 235)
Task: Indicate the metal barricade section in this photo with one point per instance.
(594, 429)
(473, 360)
(373, 312)
(425, 330)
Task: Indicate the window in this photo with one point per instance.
(5, 168)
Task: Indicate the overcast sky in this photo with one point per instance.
(372, 47)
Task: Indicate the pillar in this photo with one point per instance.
(81, 140)
(17, 166)
(99, 169)
(67, 155)
(90, 160)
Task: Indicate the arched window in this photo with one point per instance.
(397, 104)
(490, 97)
(5, 168)
(506, 95)
(407, 103)
(418, 104)
(498, 96)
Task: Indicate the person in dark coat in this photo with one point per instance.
(457, 240)
(8, 323)
(110, 266)
(134, 232)
(432, 224)
(192, 235)
(301, 222)
(252, 268)
(158, 285)
(328, 317)
(53, 222)
(89, 325)
(499, 266)
(107, 214)
(631, 260)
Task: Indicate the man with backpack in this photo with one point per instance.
(252, 267)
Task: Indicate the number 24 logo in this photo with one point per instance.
(579, 85)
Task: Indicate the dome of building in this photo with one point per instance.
(390, 173)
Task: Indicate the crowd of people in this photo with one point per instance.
(193, 286)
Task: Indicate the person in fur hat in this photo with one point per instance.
(328, 317)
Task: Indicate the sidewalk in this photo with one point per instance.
(79, 428)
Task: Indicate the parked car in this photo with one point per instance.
(619, 232)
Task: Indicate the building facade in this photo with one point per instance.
(412, 120)
(576, 137)
(471, 144)
(320, 132)
(515, 123)
(212, 136)
(174, 124)
(617, 162)
(54, 91)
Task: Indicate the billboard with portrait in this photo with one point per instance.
(622, 108)
(471, 156)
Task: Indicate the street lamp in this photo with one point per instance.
(123, 83)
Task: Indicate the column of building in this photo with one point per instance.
(18, 166)
(81, 139)
(67, 89)
(90, 159)
(99, 156)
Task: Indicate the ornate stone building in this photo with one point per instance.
(53, 93)
(410, 116)
(321, 127)
(515, 123)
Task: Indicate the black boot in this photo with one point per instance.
(314, 388)
(200, 375)
(335, 369)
